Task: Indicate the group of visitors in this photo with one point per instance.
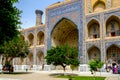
(114, 67)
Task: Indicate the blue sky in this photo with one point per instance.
(28, 7)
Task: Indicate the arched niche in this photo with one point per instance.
(93, 29)
(113, 26)
(31, 39)
(40, 38)
(30, 59)
(93, 53)
(113, 54)
(40, 58)
(99, 6)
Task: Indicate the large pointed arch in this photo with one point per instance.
(64, 32)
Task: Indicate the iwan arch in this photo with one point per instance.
(64, 32)
(93, 26)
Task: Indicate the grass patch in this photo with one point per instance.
(62, 74)
(82, 77)
(72, 76)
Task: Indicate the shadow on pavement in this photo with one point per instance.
(62, 74)
(16, 73)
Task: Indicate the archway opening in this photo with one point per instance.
(113, 54)
(40, 38)
(99, 6)
(93, 53)
(65, 32)
(40, 58)
(93, 29)
(31, 39)
(113, 27)
(30, 58)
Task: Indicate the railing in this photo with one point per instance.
(94, 36)
(40, 43)
(116, 33)
(28, 67)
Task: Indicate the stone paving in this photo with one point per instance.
(44, 75)
(8, 79)
(31, 76)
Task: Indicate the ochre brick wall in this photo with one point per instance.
(115, 3)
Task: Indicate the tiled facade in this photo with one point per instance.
(93, 26)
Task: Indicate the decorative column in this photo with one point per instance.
(89, 6)
(84, 41)
(102, 33)
(35, 44)
(108, 4)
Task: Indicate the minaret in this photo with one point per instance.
(39, 14)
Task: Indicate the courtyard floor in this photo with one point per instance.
(45, 75)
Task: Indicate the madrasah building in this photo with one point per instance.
(92, 26)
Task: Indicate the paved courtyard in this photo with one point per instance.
(30, 76)
(44, 75)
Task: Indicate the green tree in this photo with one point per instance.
(9, 20)
(62, 55)
(95, 65)
(14, 48)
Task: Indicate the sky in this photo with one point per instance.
(28, 7)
